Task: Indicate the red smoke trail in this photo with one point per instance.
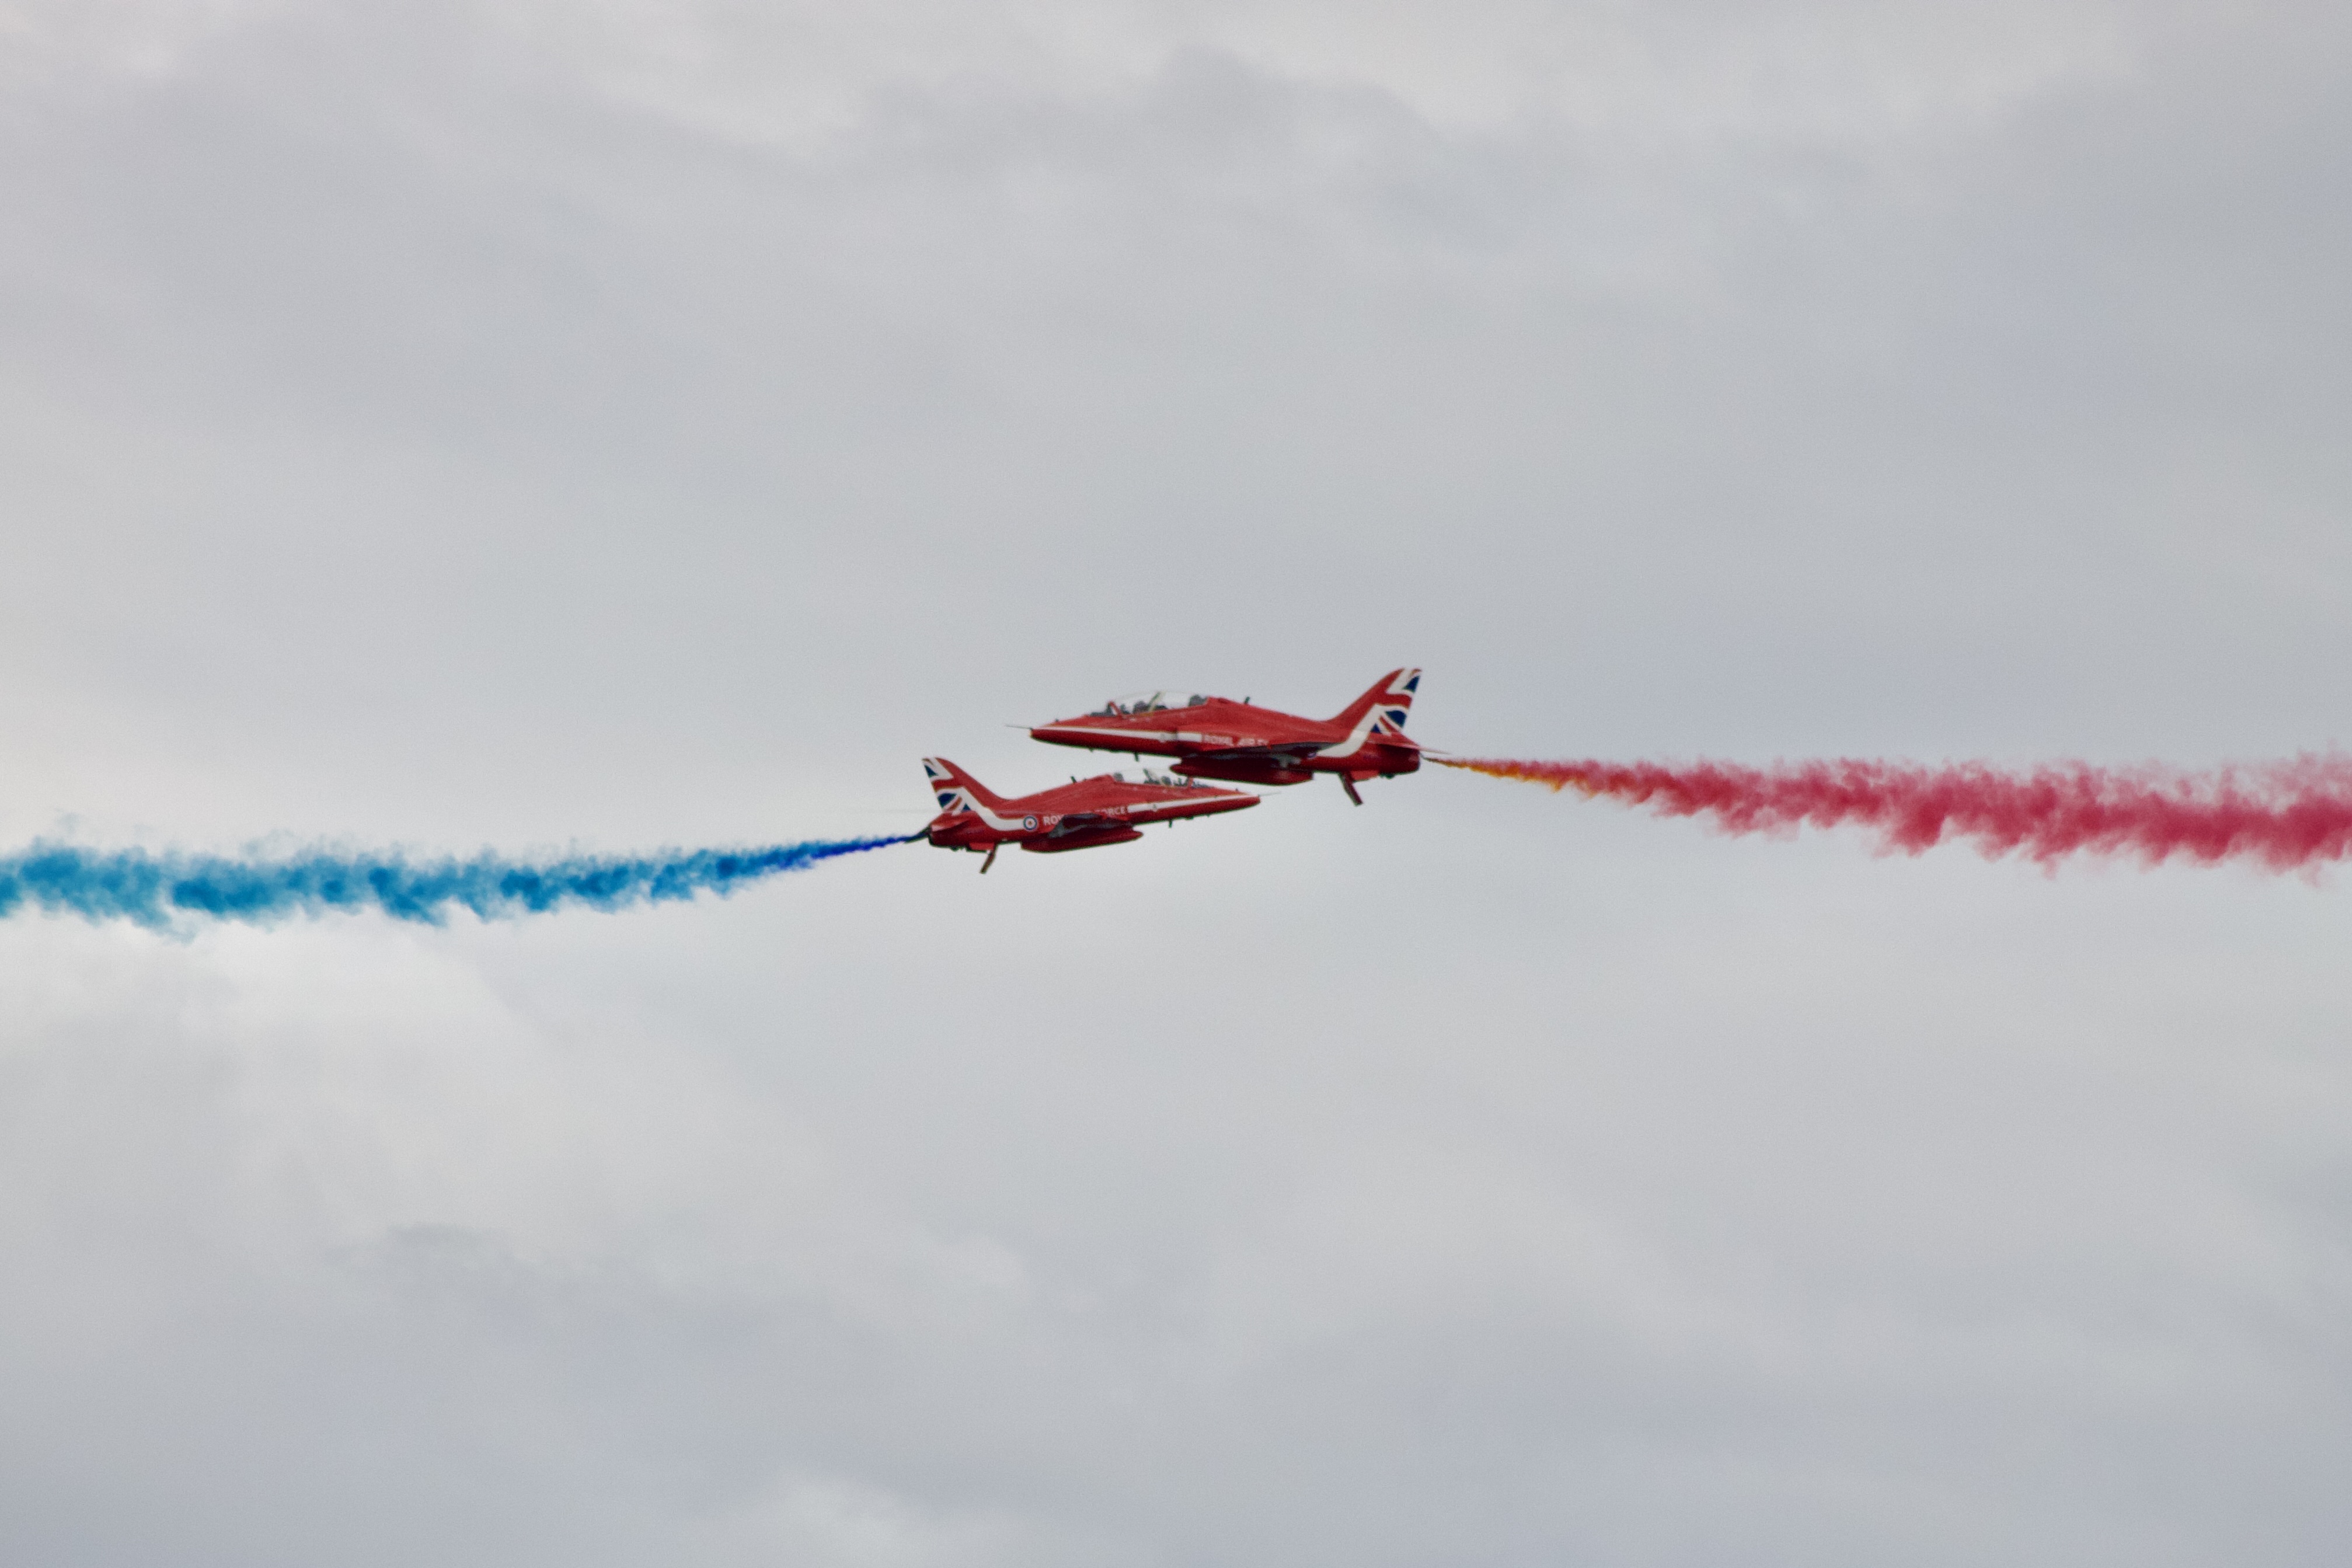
(2279, 814)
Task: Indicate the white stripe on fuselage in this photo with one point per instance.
(1128, 734)
(1357, 738)
(1001, 824)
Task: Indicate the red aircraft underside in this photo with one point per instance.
(1217, 738)
(1081, 814)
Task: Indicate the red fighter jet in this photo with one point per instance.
(1076, 815)
(1220, 739)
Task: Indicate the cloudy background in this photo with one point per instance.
(619, 423)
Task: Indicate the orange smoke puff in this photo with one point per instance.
(1557, 776)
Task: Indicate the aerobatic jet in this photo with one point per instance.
(1217, 738)
(1080, 814)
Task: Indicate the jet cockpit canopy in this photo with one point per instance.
(1145, 702)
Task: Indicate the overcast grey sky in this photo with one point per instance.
(622, 423)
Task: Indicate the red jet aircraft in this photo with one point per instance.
(1220, 739)
(1076, 815)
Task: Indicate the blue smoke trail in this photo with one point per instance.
(151, 890)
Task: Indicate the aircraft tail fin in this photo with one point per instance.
(1386, 706)
(954, 788)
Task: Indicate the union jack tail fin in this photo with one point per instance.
(955, 789)
(1384, 708)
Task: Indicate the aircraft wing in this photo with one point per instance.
(1284, 756)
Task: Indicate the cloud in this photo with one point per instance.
(515, 424)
